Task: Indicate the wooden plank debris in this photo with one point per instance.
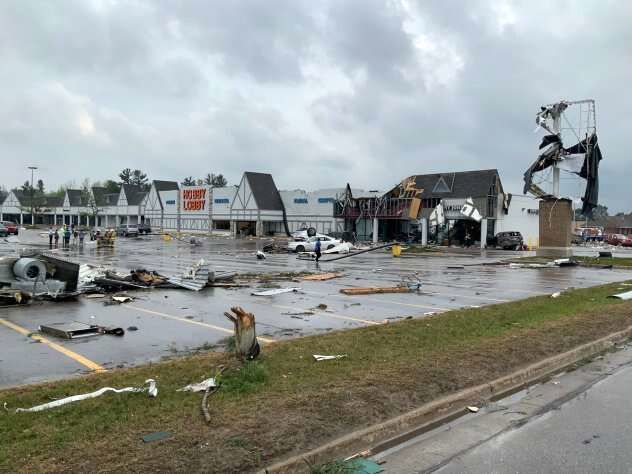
(375, 289)
(323, 276)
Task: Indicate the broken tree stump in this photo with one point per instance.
(246, 344)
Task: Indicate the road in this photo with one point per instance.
(175, 322)
(578, 422)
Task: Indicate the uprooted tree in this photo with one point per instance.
(246, 344)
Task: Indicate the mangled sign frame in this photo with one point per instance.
(562, 126)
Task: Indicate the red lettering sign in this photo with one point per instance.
(194, 199)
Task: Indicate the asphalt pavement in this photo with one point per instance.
(578, 422)
(174, 322)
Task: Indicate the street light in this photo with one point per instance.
(32, 168)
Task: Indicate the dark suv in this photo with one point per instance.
(509, 240)
(144, 228)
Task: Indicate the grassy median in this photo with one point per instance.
(285, 402)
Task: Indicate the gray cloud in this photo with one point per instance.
(318, 93)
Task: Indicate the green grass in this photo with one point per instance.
(285, 400)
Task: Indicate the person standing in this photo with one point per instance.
(82, 236)
(56, 236)
(50, 237)
(317, 249)
(67, 233)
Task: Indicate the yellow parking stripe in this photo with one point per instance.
(191, 321)
(67, 352)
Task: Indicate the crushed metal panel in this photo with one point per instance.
(71, 331)
(64, 270)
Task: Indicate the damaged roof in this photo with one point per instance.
(264, 191)
(3, 196)
(456, 185)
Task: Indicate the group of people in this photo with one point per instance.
(65, 233)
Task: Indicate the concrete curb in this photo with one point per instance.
(389, 433)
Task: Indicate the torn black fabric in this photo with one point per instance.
(548, 139)
(589, 171)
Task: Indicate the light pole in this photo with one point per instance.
(32, 168)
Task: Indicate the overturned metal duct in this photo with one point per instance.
(29, 269)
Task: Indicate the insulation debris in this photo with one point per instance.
(277, 291)
(199, 387)
(150, 389)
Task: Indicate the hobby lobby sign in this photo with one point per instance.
(194, 199)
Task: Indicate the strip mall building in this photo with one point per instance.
(256, 207)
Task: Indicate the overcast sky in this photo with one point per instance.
(318, 93)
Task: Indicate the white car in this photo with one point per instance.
(309, 245)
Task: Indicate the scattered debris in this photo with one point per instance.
(9, 296)
(276, 291)
(95, 295)
(322, 306)
(376, 289)
(199, 387)
(623, 296)
(132, 328)
(323, 276)
(79, 330)
(473, 409)
(260, 255)
(157, 436)
(246, 344)
(122, 299)
(320, 358)
(343, 247)
(194, 278)
(557, 294)
(150, 388)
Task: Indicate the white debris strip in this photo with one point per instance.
(470, 211)
(319, 357)
(150, 388)
(277, 291)
(199, 387)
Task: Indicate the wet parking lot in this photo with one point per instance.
(170, 322)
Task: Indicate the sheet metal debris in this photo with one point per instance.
(195, 278)
(623, 296)
(78, 330)
(473, 409)
(150, 388)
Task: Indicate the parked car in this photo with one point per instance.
(144, 228)
(627, 242)
(309, 245)
(3, 230)
(12, 227)
(127, 229)
(509, 240)
(615, 239)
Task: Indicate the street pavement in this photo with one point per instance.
(175, 322)
(578, 422)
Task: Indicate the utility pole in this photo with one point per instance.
(32, 168)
